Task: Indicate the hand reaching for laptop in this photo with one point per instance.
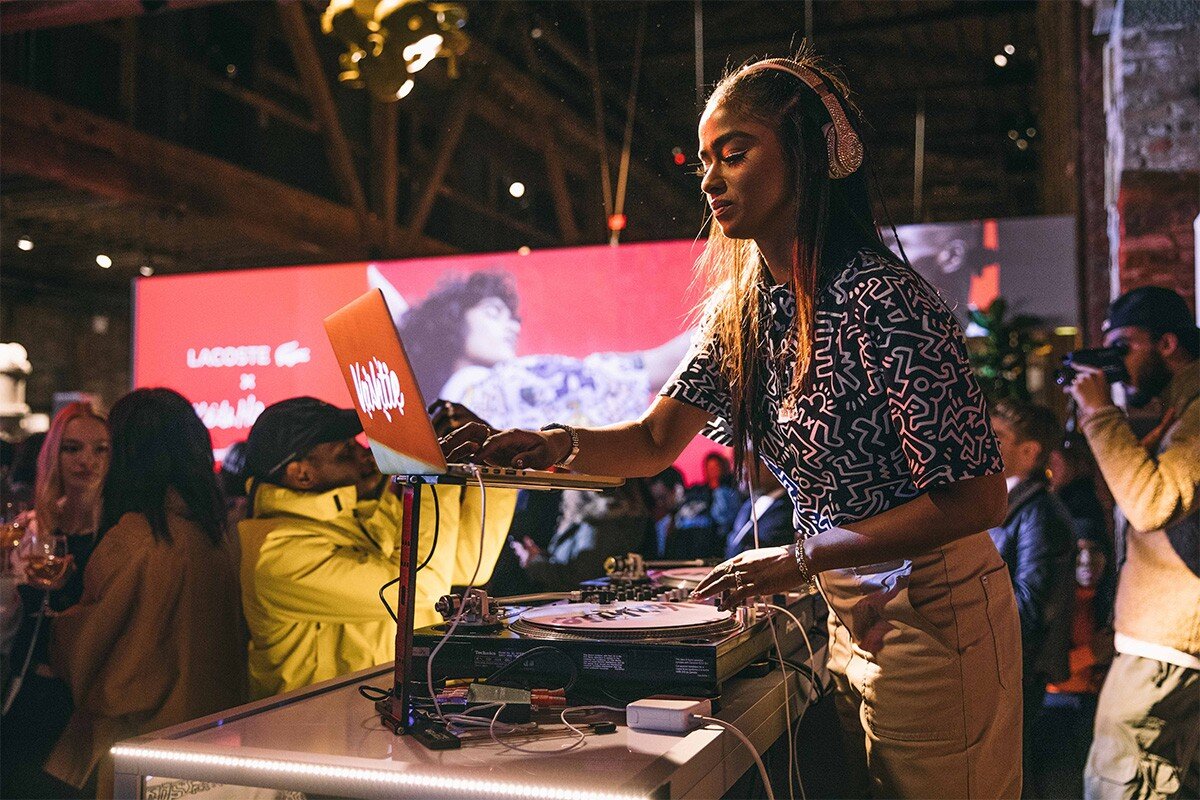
(521, 449)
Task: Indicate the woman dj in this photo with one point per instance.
(839, 367)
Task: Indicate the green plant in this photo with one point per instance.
(1001, 356)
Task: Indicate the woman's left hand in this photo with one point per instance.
(762, 572)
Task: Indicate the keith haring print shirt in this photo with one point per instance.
(891, 411)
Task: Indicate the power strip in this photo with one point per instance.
(668, 715)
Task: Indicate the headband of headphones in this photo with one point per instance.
(844, 146)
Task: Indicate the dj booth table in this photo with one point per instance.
(327, 740)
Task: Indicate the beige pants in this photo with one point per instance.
(927, 660)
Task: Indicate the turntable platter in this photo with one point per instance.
(682, 577)
(649, 619)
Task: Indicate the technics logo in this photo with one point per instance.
(378, 388)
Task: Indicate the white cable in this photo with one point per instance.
(792, 767)
(470, 585)
(729, 726)
(787, 703)
(563, 716)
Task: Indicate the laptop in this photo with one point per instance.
(389, 404)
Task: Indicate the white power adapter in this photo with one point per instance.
(663, 714)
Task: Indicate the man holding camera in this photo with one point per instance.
(1148, 718)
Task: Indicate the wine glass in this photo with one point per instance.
(45, 556)
(11, 534)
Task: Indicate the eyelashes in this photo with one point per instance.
(699, 170)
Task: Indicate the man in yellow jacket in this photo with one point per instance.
(322, 538)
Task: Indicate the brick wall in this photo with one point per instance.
(1157, 238)
(1159, 110)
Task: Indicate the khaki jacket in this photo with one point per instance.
(1158, 594)
(313, 564)
(156, 640)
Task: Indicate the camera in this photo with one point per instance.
(1109, 360)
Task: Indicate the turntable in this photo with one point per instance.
(653, 643)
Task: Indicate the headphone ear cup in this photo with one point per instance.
(831, 149)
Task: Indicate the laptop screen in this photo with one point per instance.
(382, 386)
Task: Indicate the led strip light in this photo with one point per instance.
(362, 776)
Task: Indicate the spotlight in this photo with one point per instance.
(1022, 144)
(1008, 48)
(103, 261)
(146, 270)
(1031, 132)
(523, 250)
(517, 189)
(24, 243)
(1012, 134)
(536, 33)
(1001, 60)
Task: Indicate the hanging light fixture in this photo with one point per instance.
(390, 41)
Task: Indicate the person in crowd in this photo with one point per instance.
(233, 484)
(889, 457)
(726, 499)
(1037, 543)
(156, 637)
(323, 536)
(71, 468)
(1064, 729)
(768, 511)
(1148, 717)
(1073, 480)
(592, 526)
(462, 343)
(22, 475)
(667, 491)
(536, 519)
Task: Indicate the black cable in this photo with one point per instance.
(383, 599)
(374, 693)
(437, 524)
(529, 653)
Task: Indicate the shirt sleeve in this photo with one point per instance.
(917, 357)
(698, 382)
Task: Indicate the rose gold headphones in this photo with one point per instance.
(844, 146)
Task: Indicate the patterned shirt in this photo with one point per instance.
(892, 411)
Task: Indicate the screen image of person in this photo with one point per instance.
(824, 355)
(462, 341)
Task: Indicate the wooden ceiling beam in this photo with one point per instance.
(48, 139)
(316, 87)
(385, 165)
(536, 105)
(204, 77)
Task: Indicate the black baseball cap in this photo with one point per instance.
(288, 430)
(1155, 308)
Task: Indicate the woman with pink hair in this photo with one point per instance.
(71, 469)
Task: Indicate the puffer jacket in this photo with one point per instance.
(312, 565)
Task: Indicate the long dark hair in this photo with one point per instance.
(158, 443)
(834, 221)
(434, 331)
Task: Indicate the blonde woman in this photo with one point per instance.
(71, 469)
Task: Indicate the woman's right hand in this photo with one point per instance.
(510, 448)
